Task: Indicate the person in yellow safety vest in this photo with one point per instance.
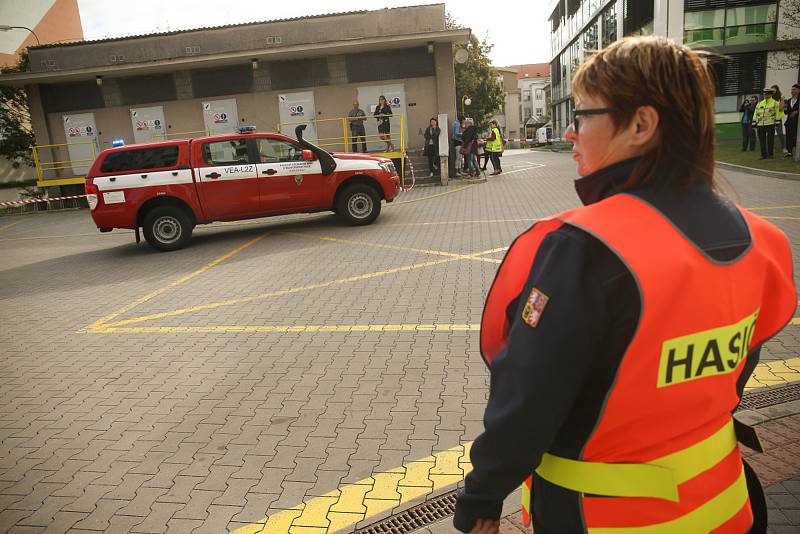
(764, 118)
(494, 147)
(620, 335)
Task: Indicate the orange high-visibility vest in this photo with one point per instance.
(663, 456)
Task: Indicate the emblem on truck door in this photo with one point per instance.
(298, 179)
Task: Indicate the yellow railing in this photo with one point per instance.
(328, 137)
(189, 135)
(55, 166)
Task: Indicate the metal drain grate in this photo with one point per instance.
(415, 518)
(772, 396)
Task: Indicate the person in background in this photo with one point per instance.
(357, 132)
(432, 133)
(470, 147)
(382, 115)
(779, 118)
(619, 335)
(791, 108)
(494, 147)
(764, 119)
(748, 134)
(458, 158)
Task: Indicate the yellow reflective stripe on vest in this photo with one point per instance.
(526, 498)
(704, 518)
(659, 478)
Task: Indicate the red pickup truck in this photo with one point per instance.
(166, 188)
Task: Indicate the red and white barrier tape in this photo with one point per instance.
(411, 168)
(34, 200)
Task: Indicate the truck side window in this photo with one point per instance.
(276, 151)
(140, 160)
(229, 152)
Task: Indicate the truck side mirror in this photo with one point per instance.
(308, 155)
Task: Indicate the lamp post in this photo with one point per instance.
(4, 28)
(465, 100)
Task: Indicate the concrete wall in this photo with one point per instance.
(256, 36)
(260, 109)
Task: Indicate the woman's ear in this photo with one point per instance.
(645, 125)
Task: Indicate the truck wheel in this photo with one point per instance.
(359, 204)
(167, 228)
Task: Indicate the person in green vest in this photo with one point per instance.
(494, 147)
(764, 119)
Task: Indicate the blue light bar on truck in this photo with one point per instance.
(246, 129)
(118, 142)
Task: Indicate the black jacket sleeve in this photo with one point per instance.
(536, 379)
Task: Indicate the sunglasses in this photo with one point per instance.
(583, 112)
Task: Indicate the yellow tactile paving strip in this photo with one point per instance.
(385, 492)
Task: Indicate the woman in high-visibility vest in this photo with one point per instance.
(620, 335)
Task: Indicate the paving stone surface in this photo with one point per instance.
(270, 363)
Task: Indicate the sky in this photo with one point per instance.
(518, 29)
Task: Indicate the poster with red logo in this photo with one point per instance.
(81, 133)
(148, 124)
(296, 109)
(221, 116)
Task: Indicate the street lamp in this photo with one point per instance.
(465, 100)
(4, 28)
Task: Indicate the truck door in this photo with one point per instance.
(227, 180)
(286, 182)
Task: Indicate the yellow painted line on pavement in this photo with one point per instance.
(390, 247)
(780, 218)
(428, 197)
(357, 278)
(386, 491)
(774, 373)
(791, 206)
(266, 329)
(369, 497)
(29, 238)
(7, 226)
(101, 322)
(476, 221)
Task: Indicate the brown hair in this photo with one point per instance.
(673, 79)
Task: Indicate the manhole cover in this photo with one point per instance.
(770, 397)
(415, 518)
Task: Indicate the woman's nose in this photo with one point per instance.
(570, 134)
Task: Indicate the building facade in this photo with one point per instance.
(274, 75)
(532, 80)
(758, 45)
(508, 116)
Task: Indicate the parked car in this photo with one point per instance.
(166, 188)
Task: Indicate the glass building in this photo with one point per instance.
(759, 48)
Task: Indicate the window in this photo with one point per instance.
(539, 94)
(141, 160)
(730, 26)
(636, 16)
(610, 24)
(275, 151)
(590, 37)
(231, 152)
(539, 111)
(526, 95)
(739, 74)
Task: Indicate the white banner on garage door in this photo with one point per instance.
(148, 124)
(396, 97)
(221, 116)
(296, 109)
(81, 132)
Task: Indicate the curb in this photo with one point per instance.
(759, 172)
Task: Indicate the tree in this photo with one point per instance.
(16, 133)
(789, 15)
(476, 79)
